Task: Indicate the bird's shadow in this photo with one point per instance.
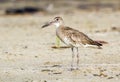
(60, 47)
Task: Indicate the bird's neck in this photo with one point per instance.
(58, 25)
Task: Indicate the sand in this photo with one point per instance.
(26, 54)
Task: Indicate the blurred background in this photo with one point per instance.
(53, 6)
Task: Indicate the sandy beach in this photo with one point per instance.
(26, 54)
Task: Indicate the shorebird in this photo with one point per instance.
(72, 37)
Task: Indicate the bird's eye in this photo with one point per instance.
(57, 19)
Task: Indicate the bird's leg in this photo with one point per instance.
(72, 58)
(77, 58)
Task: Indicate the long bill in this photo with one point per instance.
(47, 24)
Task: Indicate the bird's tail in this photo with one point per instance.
(97, 43)
(101, 42)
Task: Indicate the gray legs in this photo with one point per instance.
(73, 56)
(77, 57)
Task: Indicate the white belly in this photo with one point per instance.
(67, 41)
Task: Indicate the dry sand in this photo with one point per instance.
(26, 54)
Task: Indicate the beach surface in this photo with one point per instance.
(26, 53)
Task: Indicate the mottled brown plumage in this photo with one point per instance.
(75, 37)
(72, 37)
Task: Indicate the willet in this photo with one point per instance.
(72, 37)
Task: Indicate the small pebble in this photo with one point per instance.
(58, 73)
(110, 77)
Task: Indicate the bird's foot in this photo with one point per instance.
(77, 68)
(73, 68)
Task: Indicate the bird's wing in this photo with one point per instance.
(77, 37)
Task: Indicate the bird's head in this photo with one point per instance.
(57, 21)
